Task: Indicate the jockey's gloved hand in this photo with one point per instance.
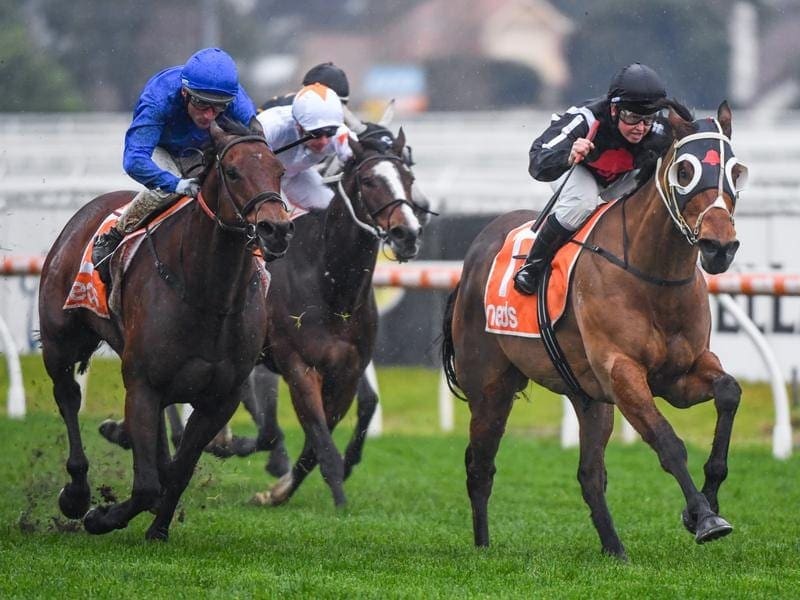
(341, 143)
(188, 187)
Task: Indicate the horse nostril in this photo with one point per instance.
(709, 247)
(265, 228)
(398, 233)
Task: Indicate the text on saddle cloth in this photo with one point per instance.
(510, 313)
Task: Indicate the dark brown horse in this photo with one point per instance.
(322, 313)
(634, 328)
(190, 327)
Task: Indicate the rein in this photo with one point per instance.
(623, 262)
(242, 226)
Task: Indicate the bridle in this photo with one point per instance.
(372, 228)
(248, 230)
(676, 196)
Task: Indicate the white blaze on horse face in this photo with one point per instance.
(388, 172)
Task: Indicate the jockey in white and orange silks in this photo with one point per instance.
(316, 112)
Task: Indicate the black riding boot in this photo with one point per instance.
(104, 245)
(550, 238)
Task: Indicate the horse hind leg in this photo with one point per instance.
(596, 424)
(75, 497)
(490, 406)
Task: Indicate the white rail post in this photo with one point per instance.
(446, 410)
(375, 428)
(570, 428)
(16, 390)
(782, 432)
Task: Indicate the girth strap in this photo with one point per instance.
(551, 345)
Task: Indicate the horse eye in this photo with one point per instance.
(685, 172)
(232, 173)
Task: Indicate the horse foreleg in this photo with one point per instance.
(707, 379)
(75, 497)
(366, 403)
(634, 399)
(145, 425)
(263, 406)
(283, 489)
(200, 429)
(596, 424)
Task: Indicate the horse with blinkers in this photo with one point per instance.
(635, 327)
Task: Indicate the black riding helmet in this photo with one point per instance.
(637, 88)
(329, 75)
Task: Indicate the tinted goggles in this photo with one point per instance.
(631, 118)
(201, 104)
(323, 132)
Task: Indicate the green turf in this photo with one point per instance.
(406, 532)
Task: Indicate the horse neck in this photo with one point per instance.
(350, 254)
(216, 265)
(655, 245)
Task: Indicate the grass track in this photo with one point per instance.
(407, 529)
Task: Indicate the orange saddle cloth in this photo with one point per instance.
(510, 313)
(88, 290)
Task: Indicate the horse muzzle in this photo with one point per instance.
(274, 238)
(404, 241)
(715, 256)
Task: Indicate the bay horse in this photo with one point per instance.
(189, 329)
(633, 329)
(322, 314)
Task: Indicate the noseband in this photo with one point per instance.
(372, 228)
(241, 226)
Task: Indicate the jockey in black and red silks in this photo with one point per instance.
(630, 135)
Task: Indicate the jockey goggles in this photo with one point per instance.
(202, 104)
(329, 131)
(631, 118)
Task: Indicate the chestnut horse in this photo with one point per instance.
(189, 329)
(634, 328)
(322, 313)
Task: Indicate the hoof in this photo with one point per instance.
(96, 521)
(158, 534)
(278, 463)
(616, 552)
(115, 433)
(276, 495)
(74, 501)
(711, 528)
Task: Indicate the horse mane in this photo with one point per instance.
(376, 137)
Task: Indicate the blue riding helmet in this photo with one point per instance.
(210, 74)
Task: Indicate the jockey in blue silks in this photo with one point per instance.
(173, 114)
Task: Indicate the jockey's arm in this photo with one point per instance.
(550, 152)
(140, 142)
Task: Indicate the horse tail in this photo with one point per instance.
(448, 349)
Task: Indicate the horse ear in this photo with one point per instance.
(388, 115)
(724, 118)
(216, 132)
(399, 142)
(255, 127)
(680, 126)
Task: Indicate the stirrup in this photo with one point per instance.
(526, 282)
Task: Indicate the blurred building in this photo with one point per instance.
(448, 54)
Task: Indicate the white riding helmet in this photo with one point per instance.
(316, 106)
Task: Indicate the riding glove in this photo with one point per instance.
(188, 187)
